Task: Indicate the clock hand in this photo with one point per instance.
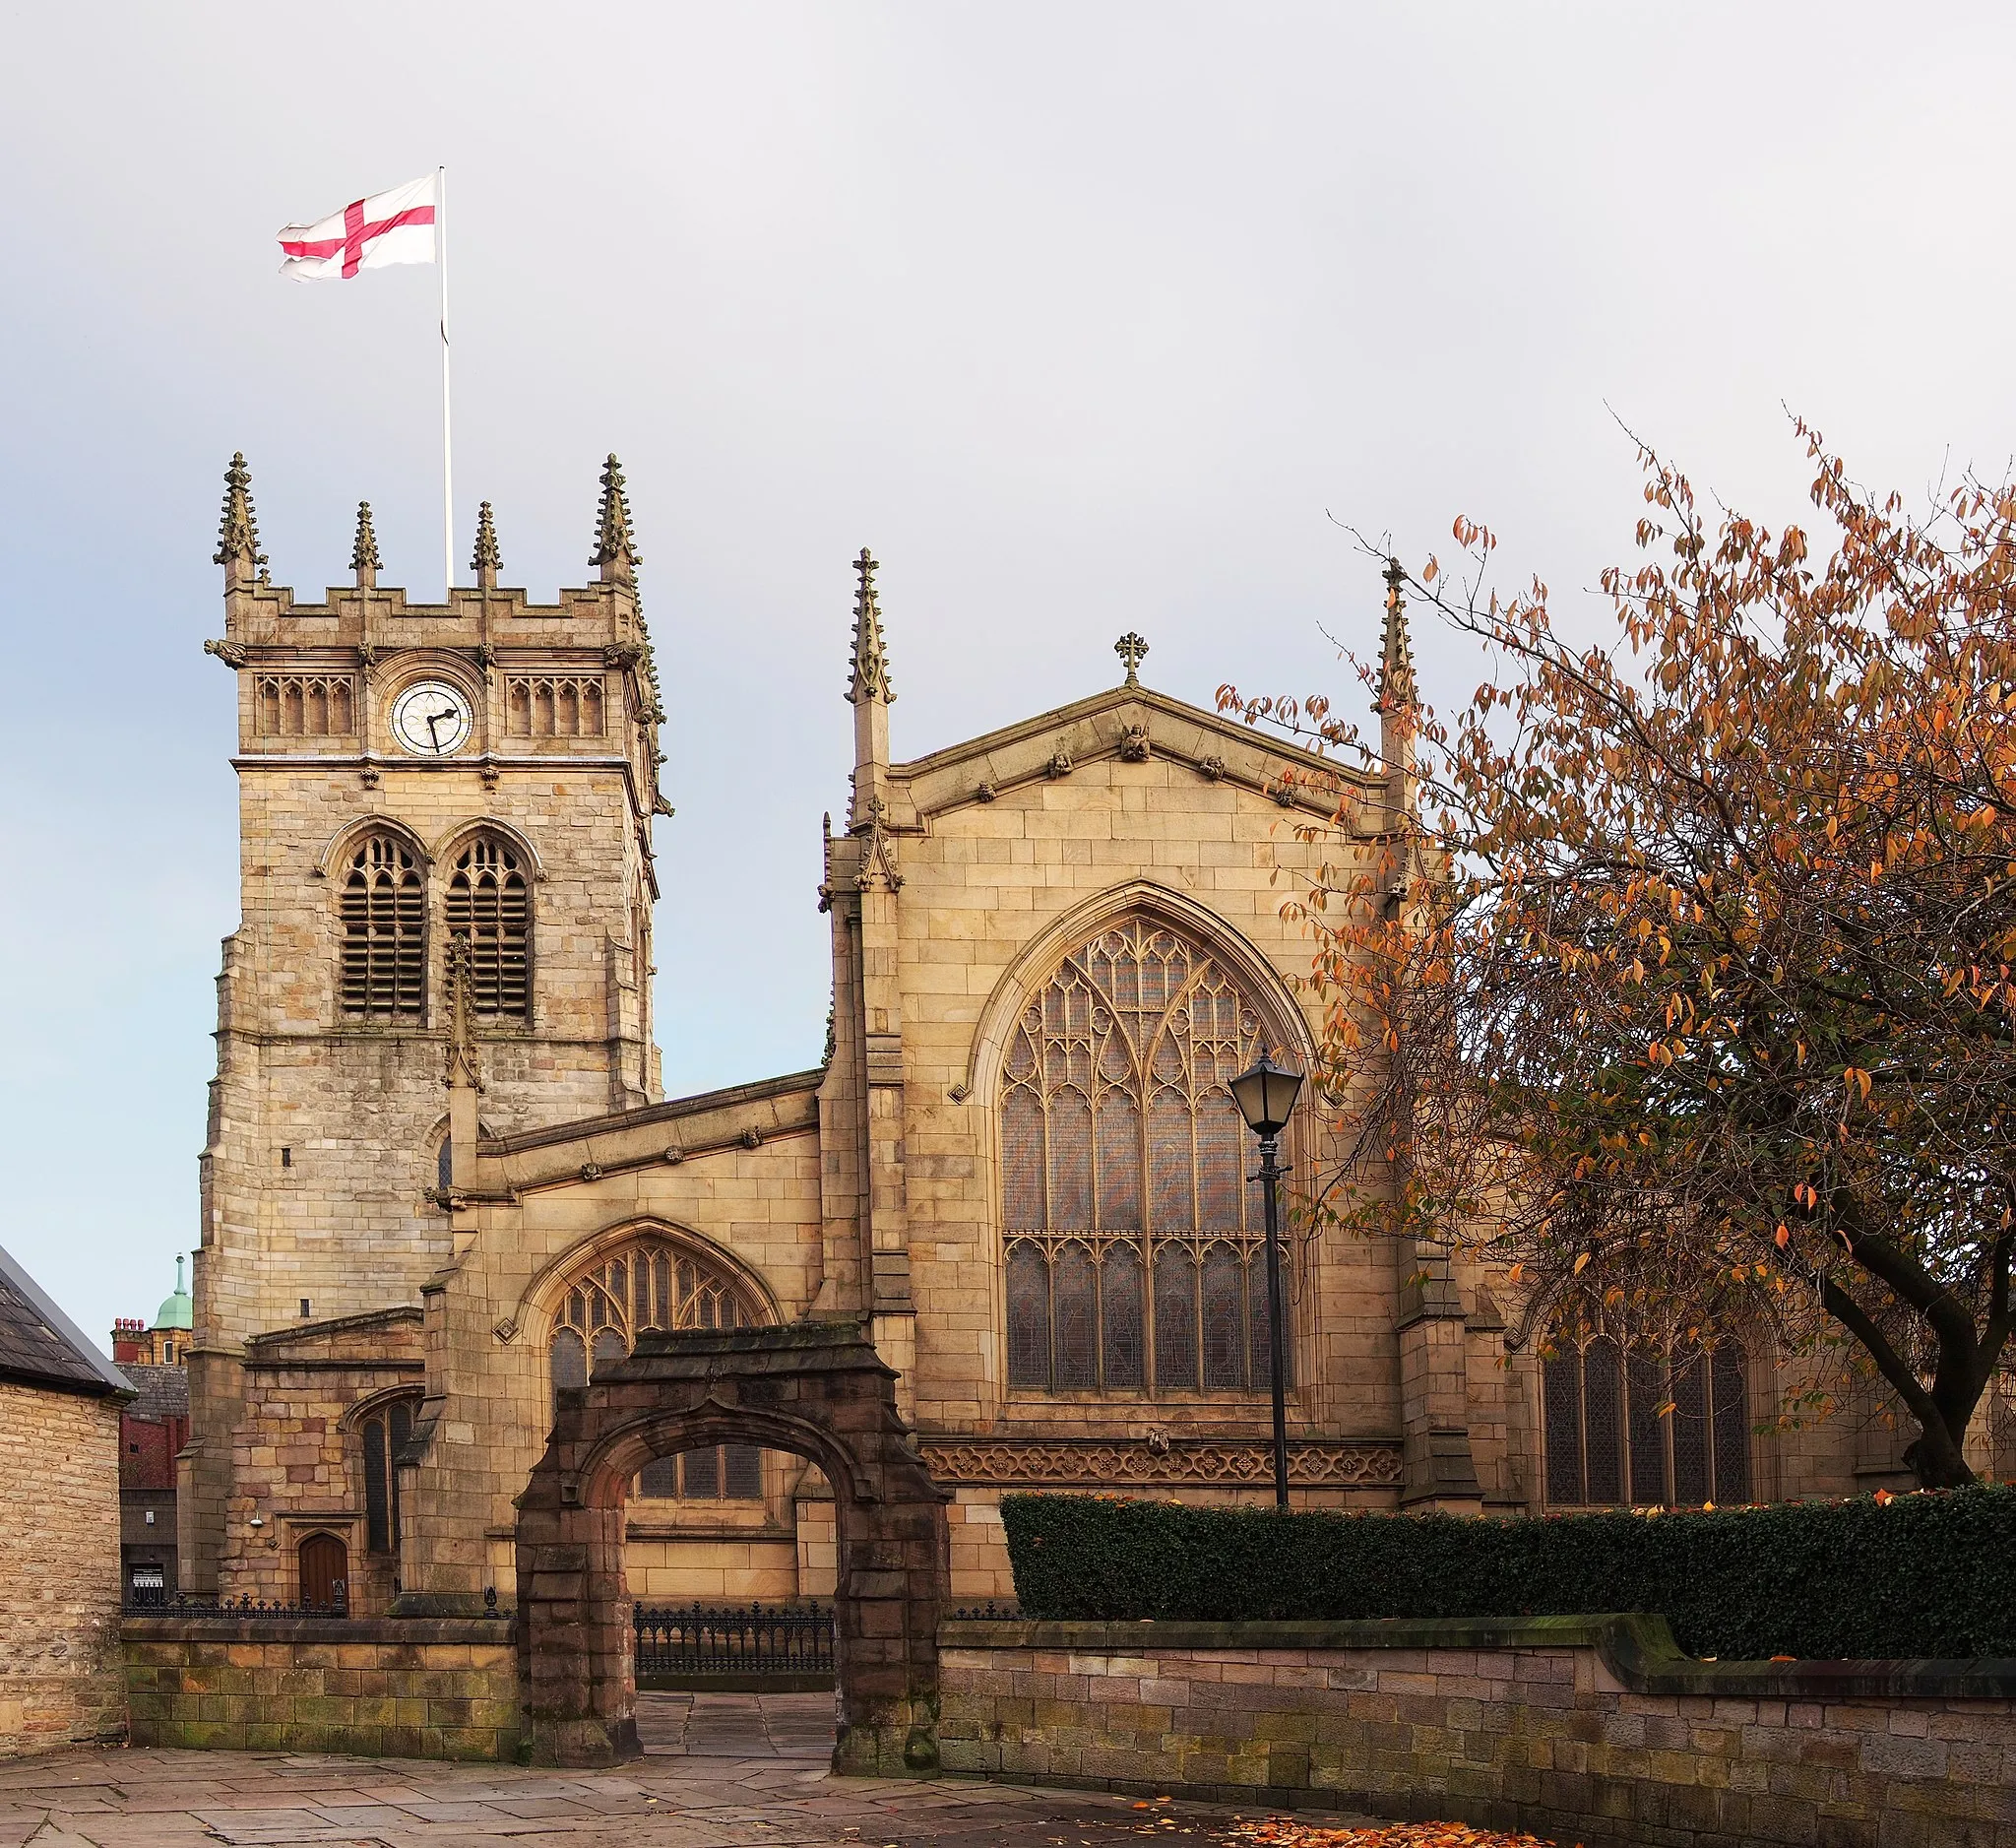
(434, 718)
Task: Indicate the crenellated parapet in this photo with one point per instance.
(573, 677)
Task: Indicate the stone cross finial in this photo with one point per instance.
(238, 534)
(488, 560)
(869, 675)
(1132, 650)
(614, 550)
(364, 559)
(1396, 652)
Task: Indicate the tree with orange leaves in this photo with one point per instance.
(1686, 994)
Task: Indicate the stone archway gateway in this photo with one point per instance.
(816, 1389)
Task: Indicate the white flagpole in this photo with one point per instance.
(447, 451)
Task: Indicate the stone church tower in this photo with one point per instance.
(477, 780)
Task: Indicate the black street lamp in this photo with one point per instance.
(1264, 1096)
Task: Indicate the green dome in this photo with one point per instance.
(176, 1312)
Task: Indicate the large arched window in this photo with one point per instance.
(1639, 1425)
(384, 907)
(652, 1283)
(490, 904)
(1132, 1237)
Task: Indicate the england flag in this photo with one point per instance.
(397, 227)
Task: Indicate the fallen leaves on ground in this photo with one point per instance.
(1280, 1831)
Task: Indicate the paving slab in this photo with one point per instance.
(719, 1771)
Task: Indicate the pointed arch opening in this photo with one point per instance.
(383, 912)
(1133, 1254)
(644, 1284)
(489, 905)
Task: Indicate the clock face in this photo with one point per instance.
(431, 718)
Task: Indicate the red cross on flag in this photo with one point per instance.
(397, 227)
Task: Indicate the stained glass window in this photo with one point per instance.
(716, 1472)
(1693, 1468)
(1561, 1386)
(1677, 1423)
(1603, 1421)
(1134, 1257)
(652, 1283)
(1731, 1415)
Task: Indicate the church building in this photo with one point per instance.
(441, 1180)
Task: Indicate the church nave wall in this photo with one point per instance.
(994, 894)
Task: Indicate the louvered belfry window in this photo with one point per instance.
(384, 933)
(490, 904)
(1133, 1243)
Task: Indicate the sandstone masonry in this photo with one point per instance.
(426, 1210)
(1589, 1729)
(60, 1404)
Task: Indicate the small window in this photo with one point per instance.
(385, 1434)
(569, 1356)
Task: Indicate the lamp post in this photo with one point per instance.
(1264, 1096)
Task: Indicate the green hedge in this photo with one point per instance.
(1928, 1575)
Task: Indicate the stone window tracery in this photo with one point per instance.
(489, 905)
(1132, 1237)
(384, 916)
(655, 1284)
(1637, 1425)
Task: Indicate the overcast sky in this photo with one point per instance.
(1083, 316)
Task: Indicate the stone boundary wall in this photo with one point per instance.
(1594, 1730)
(408, 1687)
(59, 1569)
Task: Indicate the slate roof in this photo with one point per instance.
(164, 1393)
(38, 1342)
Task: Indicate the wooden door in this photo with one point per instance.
(325, 1572)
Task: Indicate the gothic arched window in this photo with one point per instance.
(654, 1283)
(384, 909)
(384, 1434)
(490, 904)
(1133, 1247)
(1638, 1424)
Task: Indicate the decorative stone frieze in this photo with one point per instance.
(1158, 1457)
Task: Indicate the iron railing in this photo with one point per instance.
(755, 1642)
(142, 1602)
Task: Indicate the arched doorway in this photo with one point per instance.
(815, 1390)
(324, 1570)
